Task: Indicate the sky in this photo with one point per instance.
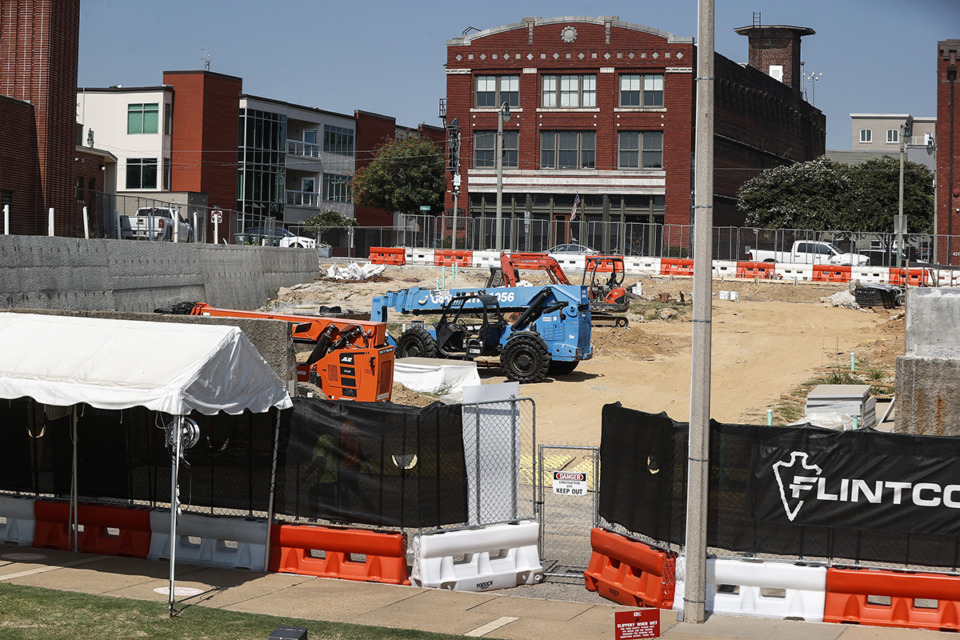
(387, 56)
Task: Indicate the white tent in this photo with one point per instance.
(169, 367)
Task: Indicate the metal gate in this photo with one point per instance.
(569, 507)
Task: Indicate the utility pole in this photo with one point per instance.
(503, 115)
(698, 450)
(454, 147)
(906, 131)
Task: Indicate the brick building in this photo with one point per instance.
(948, 152)
(602, 114)
(38, 77)
(373, 130)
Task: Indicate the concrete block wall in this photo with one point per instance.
(38, 272)
(928, 376)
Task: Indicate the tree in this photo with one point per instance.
(876, 200)
(404, 175)
(806, 195)
(316, 224)
(823, 195)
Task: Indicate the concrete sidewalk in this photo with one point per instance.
(500, 614)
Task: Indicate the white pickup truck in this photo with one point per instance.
(156, 223)
(809, 252)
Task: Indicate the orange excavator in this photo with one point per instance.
(350, 360)
(607, 295)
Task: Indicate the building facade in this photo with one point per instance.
(948, 152)
(600, 137)
(293, 162)
(373, 130)
(38, 113)
(141, 142)
(881, 131)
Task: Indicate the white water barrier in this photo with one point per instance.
(642, 266)
(210, 541)
(870, 275)
(794, 272)
(571, 261)
(17, 522)
(500, 556)
(419, 256)
(486, 259)
(724, 269)
(766, 589)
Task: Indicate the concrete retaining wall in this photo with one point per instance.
(928, 376)
(37, 272)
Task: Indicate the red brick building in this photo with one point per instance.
(203, 152)
(373, 130)
(602, 114)
(948, 152)
(38, 65)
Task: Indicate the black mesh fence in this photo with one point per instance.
(373, 463)
(362, 463)
(802, 492)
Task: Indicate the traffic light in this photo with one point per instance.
(453, 147)
(908, 127)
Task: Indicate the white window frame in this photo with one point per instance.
(866, 136)
(893, 136)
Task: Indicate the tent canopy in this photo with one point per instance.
(171, 367)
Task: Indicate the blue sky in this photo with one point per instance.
(386, 56)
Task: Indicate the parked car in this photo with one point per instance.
(277, 237)
(571, 248)
(156, 223)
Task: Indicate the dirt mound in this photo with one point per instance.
(631, 343)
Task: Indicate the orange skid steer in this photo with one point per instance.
(350, 360)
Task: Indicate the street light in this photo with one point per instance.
(503, 115)
(812, 78)
(906, 131)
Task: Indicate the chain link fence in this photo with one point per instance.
(569, 507)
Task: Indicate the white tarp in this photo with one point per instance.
(433, 375)
(171, 367)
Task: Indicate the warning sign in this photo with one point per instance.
(644, 623)
(570, 483)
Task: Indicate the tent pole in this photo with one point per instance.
(273, 486)
(74, 518)
(174, 506)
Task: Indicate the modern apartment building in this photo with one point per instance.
(293, 162)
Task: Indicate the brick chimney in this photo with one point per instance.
(775, 50)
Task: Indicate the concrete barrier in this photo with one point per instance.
(38, 272)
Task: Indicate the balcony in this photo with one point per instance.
(304, 149)
(303, 199)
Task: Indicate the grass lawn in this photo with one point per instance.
(28, 613)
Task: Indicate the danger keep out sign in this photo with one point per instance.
(570, 483)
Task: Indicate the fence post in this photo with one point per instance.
(6, 219)
(116, 220)
(86, 225)
(50, 222)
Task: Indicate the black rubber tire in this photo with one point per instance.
(416, 343)
(525, 358)
(562, 368)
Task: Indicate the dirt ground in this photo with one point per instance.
(773, 338)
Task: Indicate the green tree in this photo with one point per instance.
(316, 224)
(875, 199)
(404, 175)
(806, 195)
(824, 195)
